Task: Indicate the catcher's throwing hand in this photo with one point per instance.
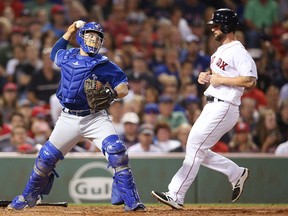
(98, 97)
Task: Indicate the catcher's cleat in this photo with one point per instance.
(19, 203)
(238, 187)
(167, 200)
(139, 208)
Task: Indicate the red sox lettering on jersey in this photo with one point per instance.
(220, 63)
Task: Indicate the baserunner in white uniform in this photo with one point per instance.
(231, 70)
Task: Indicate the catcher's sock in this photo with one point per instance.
(166, 199)
(238, 187)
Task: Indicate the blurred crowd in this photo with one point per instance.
(162, 46)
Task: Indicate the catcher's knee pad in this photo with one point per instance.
(41, 179)
(115, 151)
(126, 188)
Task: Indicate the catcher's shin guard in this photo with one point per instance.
(124, 188)
(116, 198)
(115, 151)
(42, 176)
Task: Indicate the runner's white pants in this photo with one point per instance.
(216, 119)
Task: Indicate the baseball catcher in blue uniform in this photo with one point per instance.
(83, 115)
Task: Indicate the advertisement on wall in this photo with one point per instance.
(91, 182)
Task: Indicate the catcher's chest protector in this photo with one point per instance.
(74, 71)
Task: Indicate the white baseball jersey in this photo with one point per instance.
(231, 60)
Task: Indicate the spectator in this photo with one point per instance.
(193, 53)
(166, 113)
(135, 104)
(178, 21)
(198, 27)
(16, 6)
(116, 113)
(192, 9)
(264, 75)
(4, 128)
(189, 89)
(248, 113)
(22, 76)
(283, 78)
(117, 24)
(140, 71)
(25, 108)
(242, 140)
(158, 56)
(257, 95)
(16, 39)
(8, 101)
(272, 96)
(16, 119)
(173, 91)
(268, 134)
(192, 107)
(24, 19)
(171, 68)
(150, 113)
(259, 16)
(34, 42)
(75, 10)
(182, 136)
(58, 21)
(35, 5)
(19, 57)
(44, 82)
(163, 137)
(131, 121)
(33, 55)
(40, 129)
(145, 144)
(151, 95)
(17, 141)
(40, 113)
(282, 119)
(186, 74)
(220, 147)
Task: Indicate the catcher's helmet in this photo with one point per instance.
(226, 18)
(90, 27)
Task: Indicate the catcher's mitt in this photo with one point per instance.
(98, 96)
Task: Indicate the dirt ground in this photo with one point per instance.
(75, 210)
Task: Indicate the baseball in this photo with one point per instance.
(79, 23)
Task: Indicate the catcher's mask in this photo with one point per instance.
(226, 18)
(88, 40)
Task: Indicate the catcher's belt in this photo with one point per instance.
(79, 112)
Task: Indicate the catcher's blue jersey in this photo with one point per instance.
(75, 69)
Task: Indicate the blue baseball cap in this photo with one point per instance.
(192, 99)
(151, 108)
(165, 99)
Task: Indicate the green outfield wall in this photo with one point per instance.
(85, 178)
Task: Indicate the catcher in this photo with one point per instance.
(84, 101)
